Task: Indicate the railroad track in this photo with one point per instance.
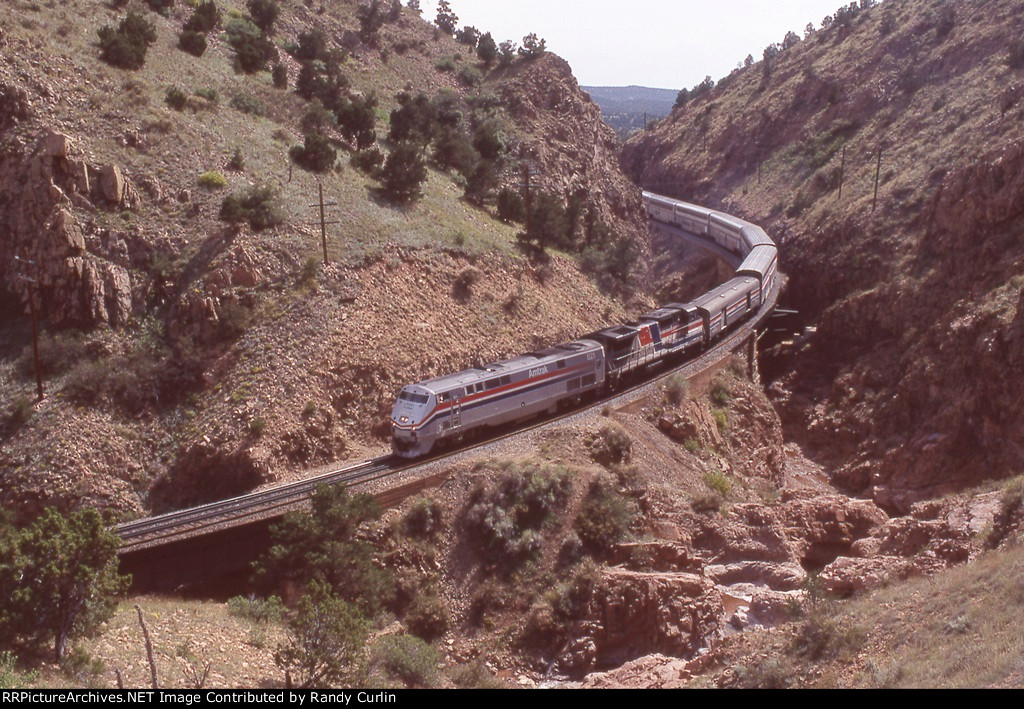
(197, 521)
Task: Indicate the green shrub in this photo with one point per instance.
(212, 180)
(207, 93)
(162, 7)
(766, 673)
(721, 419)
(718, 482)
(357, 117)
(9, 676)
(259, 206)
(404, 171)
(424, 518)
(21, 412)
(368, 161)
(453, 149)
(137, 382)
(253, 53)
(193, 43)
(677, 389)
(511, 207)
(707, 503)
(475, 675)
(257, 426)
(238, 27)
(256, 610)
(611, 444)
(279, 73)
(427, 616)
(464, 281)
(445, 64)
(505, 519)
(237, 161)
(263, 13)
(326, 636)
(205, 18)
(610, 259)
(126, 46)
(604, 517)
(324, 544)
(317, 154)
(248, 104)
(405, 658)
(176, 98)
(470, 76)
(58, 353)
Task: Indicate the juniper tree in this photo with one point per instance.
(58, 578)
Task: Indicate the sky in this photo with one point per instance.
(665, 44)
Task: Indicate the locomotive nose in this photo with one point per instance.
(411, 408)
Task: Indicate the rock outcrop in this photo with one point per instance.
(44, 188)
(573, 149)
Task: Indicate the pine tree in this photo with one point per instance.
(446, 20)
(404, 172)
(532, 46)
(321, 545)
(487, 49)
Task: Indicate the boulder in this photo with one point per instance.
(112, 185)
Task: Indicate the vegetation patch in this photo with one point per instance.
(403, 658)
(213, 180)
(126, 45)
(259, 206)
(605, 517)
(506, 519)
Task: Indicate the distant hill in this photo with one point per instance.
(623, 107)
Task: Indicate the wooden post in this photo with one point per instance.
(878, 171)
(149, 647)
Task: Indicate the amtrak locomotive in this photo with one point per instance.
(456, 407)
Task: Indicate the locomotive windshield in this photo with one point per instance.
(414, 398)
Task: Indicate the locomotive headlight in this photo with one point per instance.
(403, 419)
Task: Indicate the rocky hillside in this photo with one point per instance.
(188, 353)
(905, 392)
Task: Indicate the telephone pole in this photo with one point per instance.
(323, 218)
(842, 170)
(26, 273)
(528, 173)
(878, 171)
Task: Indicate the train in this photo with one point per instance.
(454, 408)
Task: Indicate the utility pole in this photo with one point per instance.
(528, 172)
(842, 170)
(29, 277)
(878, 171)
(323, 218)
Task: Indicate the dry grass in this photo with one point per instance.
(957, 629)
(960, 628)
